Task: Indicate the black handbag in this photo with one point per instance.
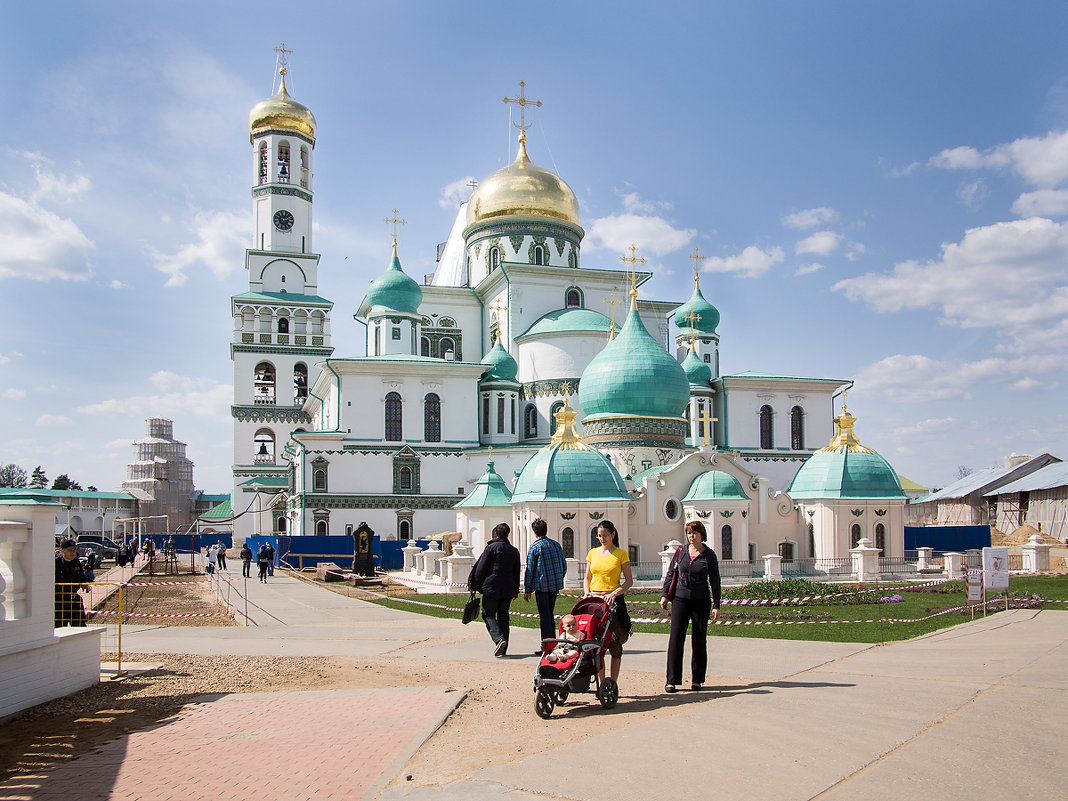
(470, 609)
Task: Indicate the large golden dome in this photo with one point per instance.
(281, 111)
(523, 188)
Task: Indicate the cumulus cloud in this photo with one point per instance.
(116, 284)
(973, 193)
(915, 378)
(1043, 202)
(1009, 276)
(806, 269)
(59, 188)
(221, 238)
(856, 250)
(1041, 161)
(53, 420)
(752, 262)
(821, 243)
(810, 218)
(40, 245)
(651, 234)
(170, 394)
(456, 192)
(14, 394)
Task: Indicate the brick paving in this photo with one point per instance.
(263, 746)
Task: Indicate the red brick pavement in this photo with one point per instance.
(263, 746)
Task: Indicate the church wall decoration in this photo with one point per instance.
(517, 243)
(537, 241)
(269, 414)
(390, 502)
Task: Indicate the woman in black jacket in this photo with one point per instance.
(692, 588)
(496, 576)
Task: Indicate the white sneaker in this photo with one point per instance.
(502, 646)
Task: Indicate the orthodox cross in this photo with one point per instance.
(497, 307)
(706, 421)
(697, 259)
(522, 102)
(395, 222)
(472, 185)
(611, 303)
(633, 261)
(283, 63)
(692, 318)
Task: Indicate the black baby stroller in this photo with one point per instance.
(576, 664)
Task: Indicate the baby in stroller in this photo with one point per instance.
(569, 663)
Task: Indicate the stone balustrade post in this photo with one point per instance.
(667, 555)
(576, 572)
(954, 564)
(1036, 555)
(456, 569)
(410, 551)
(772, 567)
(430, 560)
(865, 560)
(924, 555)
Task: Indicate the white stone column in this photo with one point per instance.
(923, 555)
(410, 551)
(1036, 555)
(456, 569)
(430, 560)
(865, 560)
(667, 555)
(772, 567)
(576, 572)
(954, 564)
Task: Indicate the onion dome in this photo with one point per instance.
(281, 112)
(845, 469)
(697, 372)
(715, 485)
(634, 375)
(565, 321)
(504, 366)
(568, 469)
(523, 188)
(489, 491)
(697, 316)
(393, 290)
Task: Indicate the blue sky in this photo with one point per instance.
(881, 189)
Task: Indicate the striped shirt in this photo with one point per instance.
(545, 566)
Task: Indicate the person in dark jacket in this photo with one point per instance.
(692, 589)
(496, 576)
(70, 577)
(246, 560)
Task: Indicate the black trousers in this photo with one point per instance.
(495, 613)
(686, 612)
(546, 602)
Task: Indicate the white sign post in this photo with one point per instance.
(996, 571)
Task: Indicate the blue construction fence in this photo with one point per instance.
(947, 538)
(300, 552)
(184, 543)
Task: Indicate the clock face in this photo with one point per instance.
(283, 220)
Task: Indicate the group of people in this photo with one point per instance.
(216, 556)
(264, 561)
(691, 591)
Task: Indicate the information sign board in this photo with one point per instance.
(996, 568)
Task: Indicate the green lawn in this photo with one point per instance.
(810, 620)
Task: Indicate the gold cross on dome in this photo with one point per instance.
(283, 63)
(706, 420)
(692, 318)
(395, 221)
(522, 102)
(697, 259)
(472, 184)
(611, 303)
(633, 260)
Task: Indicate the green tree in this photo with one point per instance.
(38, 480)
(64, 482)
(91, 488)
(11, 475)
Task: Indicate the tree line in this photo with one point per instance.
(11, 475)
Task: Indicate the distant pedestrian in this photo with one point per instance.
(270, 559)
(222, 555)
(496, 576)
(544, 577)
(213, 558)
(261, 562)
(70, 577)
(246, 561)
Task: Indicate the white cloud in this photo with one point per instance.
(810, 218)
(1039, 161)
(821, 243)
(856, 250)
(59, 188)
(915, 378)
(1026, 385)
(973, 193)
(651, 234)
(53, 420)
(456, 192)
(636, 205)
(117, 444)
(14, 394)
(4, 359)
(806, 269)
(752, 262)
(40, 245)
(221, 238)
(927, 428)
(173, 394)
(116, 284)
(1009, 276)
(1043, 202)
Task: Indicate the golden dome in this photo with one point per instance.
(281, 111)
(523, 188)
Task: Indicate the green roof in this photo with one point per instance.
(51, 494)
(845, 473)
(776, 377)
(222, 511)
(394, 290)
(267, 481)
(563, 320)
(556, 473)
(697, 372)
(489, 491)
(23, 497)
(697, 305)
(284, 297)
(715, 485)
(504, 366)
(652, 471)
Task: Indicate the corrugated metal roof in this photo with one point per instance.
(981, 479)
(1049, 477)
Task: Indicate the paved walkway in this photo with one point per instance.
(979, 710)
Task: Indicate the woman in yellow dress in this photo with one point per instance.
(609, 576)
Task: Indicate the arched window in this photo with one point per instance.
(786, 551)
(264, 165)
(539, 255)
(446, 346)
(424, 346)
(280, 525)
(567, 542)
(447, 322)
(880, 538)
(855, 534)
(726, 538)
(264, 441)
(283, 162)
(495, 258)
(263, 383)
(319, 479)
(300, 383)
(406, 478)
(573, 298)
(530, 419)
(572, 259)
(811, 540)
(394, 432)
(283, 323)
(432, 418)
(304, 165)
(767, 440)
(404, 530)
(321, 528)
(797, 428)
(556, 407)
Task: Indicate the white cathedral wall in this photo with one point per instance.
(557, 356)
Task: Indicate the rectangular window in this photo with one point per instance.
(500, 415)
(513, 415)
(485, 414)
(396, 333)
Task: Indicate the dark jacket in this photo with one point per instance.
(246, 553)
(697, 579)
(497, 570)
(68, 573)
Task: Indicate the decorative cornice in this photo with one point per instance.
(299, 350)
(555, 229)
(284, 132)
(393, 501)
(269, 414)
(275, 189)
(557, 388)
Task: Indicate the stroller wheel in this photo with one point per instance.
(561, 697)
(544, 703)
(609, 694)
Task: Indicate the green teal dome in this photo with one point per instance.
(845, 469)
(569, 470)
(489, 491)
(715, 485)
(697, 307)
(504, 366)
(634, 375)
(698, 373)
(567, 320)
(394, 291)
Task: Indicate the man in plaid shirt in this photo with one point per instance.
(544, 577)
